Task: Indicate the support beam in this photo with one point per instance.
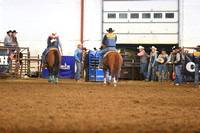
(82, 20)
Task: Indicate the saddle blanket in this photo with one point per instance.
(107, 53)
(52, 49)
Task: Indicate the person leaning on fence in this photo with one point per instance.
(178, 67)
(14, 38)
(143, 61)
(196, 59)
(8, 39)
(78, 60)
(162, 65)
(152, 64)
(170, 63)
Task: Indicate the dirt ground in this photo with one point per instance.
(34, 105)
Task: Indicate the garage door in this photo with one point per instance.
(142, 21)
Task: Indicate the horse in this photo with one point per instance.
(113, 61)
(53, 61)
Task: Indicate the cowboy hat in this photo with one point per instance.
(140, 47)
(160, 60)
(176, 47)
(173, 48)
(110, 30)
(9, 31)
(53, 32)
(78, 44)
(153, 48)
(14, 31)
(163, 49)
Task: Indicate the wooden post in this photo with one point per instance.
(21, 70)
(29, 64)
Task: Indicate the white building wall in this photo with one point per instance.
(35, 19)
(191, 23)
(92, 23)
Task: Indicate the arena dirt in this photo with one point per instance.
(34, 105)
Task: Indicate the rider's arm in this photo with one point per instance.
(104, 40)
(59, 43)
(75, 55)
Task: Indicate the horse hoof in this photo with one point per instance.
(50, 81)
(115, 85)
(56, 82)
(108, 83)
(104, 84)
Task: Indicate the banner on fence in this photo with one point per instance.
(189, 68)
(4, 61)
(67, 70)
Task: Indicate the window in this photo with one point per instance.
(134, 15)
(111, 15)
(157, 15)
(123, 15)
(146, 15)
(169, 15)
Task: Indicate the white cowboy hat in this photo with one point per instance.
(153, 48)
(160, 60)
(140, 47)
(78, 44)
(53, 32)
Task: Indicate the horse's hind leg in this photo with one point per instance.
(104, 71)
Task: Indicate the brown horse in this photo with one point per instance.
(53, 61)
(112, 61)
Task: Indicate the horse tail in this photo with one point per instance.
(56, 61)
(118, 64)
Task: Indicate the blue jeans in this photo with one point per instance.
(143, 69)
(78, 69)
(43, 54)
(152, 71)
(162, 67)
(103, 52)
(178, 74)
(196, 75)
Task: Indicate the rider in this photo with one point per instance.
(110, 41)
(53, 41)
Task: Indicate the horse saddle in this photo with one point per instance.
(109, 51)
(51, 50)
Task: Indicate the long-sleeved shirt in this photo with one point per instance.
(153, 58)
(78, 54)
(9, 40)
(178, 58)
(15, 40)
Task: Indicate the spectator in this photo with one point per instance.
(152, 64)
(196, 57)
(170, 63)
(86, 67)
(8, 39)
(178, 67)
(123, 54)
(14, 38)
(143, 61)
(162, 65)
(84, 52)
(78, 59)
